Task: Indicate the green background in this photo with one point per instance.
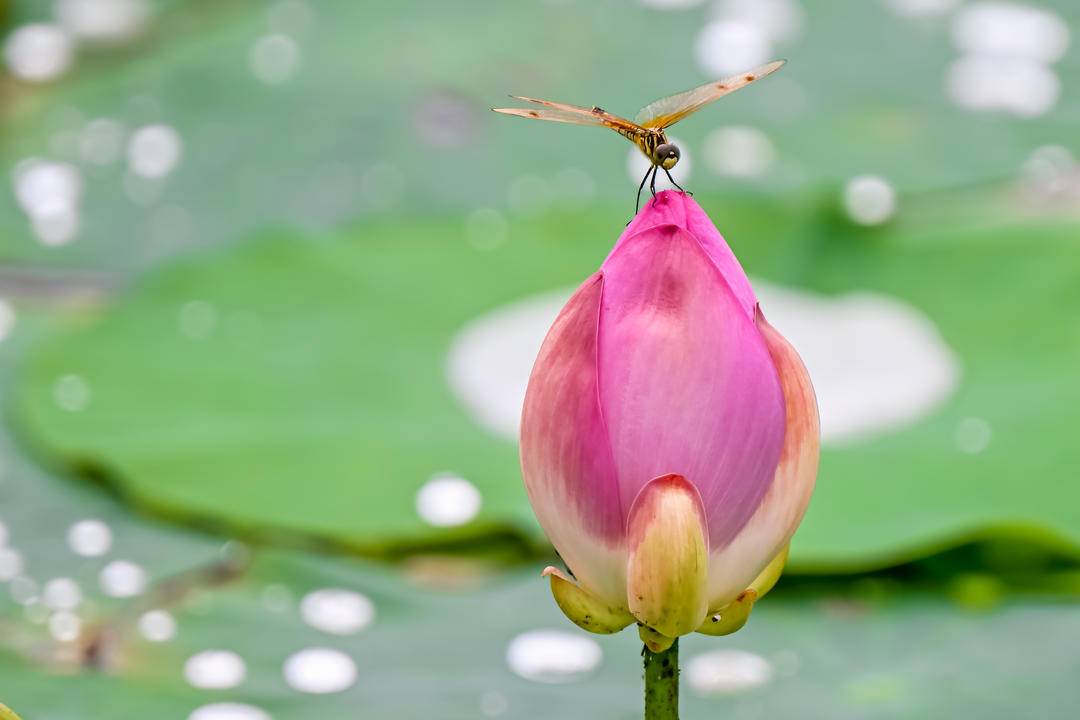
(326, 222)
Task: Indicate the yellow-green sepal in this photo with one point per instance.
(668, 557)
(733, 616)
(583, 608)
(656, 642)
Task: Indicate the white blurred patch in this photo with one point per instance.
(448, 501)
(637, 164)
(11, 563)
(89, 538)
(38, 52)
(869, 199)
(61, 594)
(739, 151)
(154, 151)
(671, 4)
(877, 363)
(122, 579)
(228, 711)
(726, 47)
(105, 21)
(778, 20)
(727, 672)
(55, 229)
(491, 358)
(42, 186)
(1050, 170)
(157, 626)
(65, 626)
(337, 611)
(320, 671)
(743, 34)
(1006, 29)
(553, 656)
(7, 322)
(215, 670)
(921, 8)
(49, 193)
(1020, 86)
(274, 59)
(1007, 49)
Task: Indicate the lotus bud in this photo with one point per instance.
(669, 437)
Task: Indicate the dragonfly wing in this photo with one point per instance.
(552, 115)
(670, 110)
(561, 112)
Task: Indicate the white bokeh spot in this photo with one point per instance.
(553, 656)
(447, 500)
(727, 672)
(38, 52)
(320, 671)
(215, 670)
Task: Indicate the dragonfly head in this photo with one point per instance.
(666, 155)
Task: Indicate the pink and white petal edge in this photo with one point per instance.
(565, 453)
(733, 568)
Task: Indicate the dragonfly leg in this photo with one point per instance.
(652, 183)
(637, 206)
(676, 184)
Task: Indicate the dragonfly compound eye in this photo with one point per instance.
(667, 155)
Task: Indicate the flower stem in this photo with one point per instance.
(662, 683)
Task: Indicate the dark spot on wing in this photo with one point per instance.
(749, 78)
(598, 110)
(533, 113)
(721, 86)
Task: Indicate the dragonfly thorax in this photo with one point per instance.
(660, 152)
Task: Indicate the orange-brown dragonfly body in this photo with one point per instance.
(647, 129)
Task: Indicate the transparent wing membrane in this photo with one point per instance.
(670, 110)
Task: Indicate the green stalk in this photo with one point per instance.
(662, 683)
(7, 713)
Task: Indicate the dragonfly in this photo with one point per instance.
(647, 129)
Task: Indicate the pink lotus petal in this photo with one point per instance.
(732, 569)
(675, 208)
(686, 382)
(565, 458)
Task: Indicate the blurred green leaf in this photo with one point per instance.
(432, 653)
(389, 109)
(316, 405)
